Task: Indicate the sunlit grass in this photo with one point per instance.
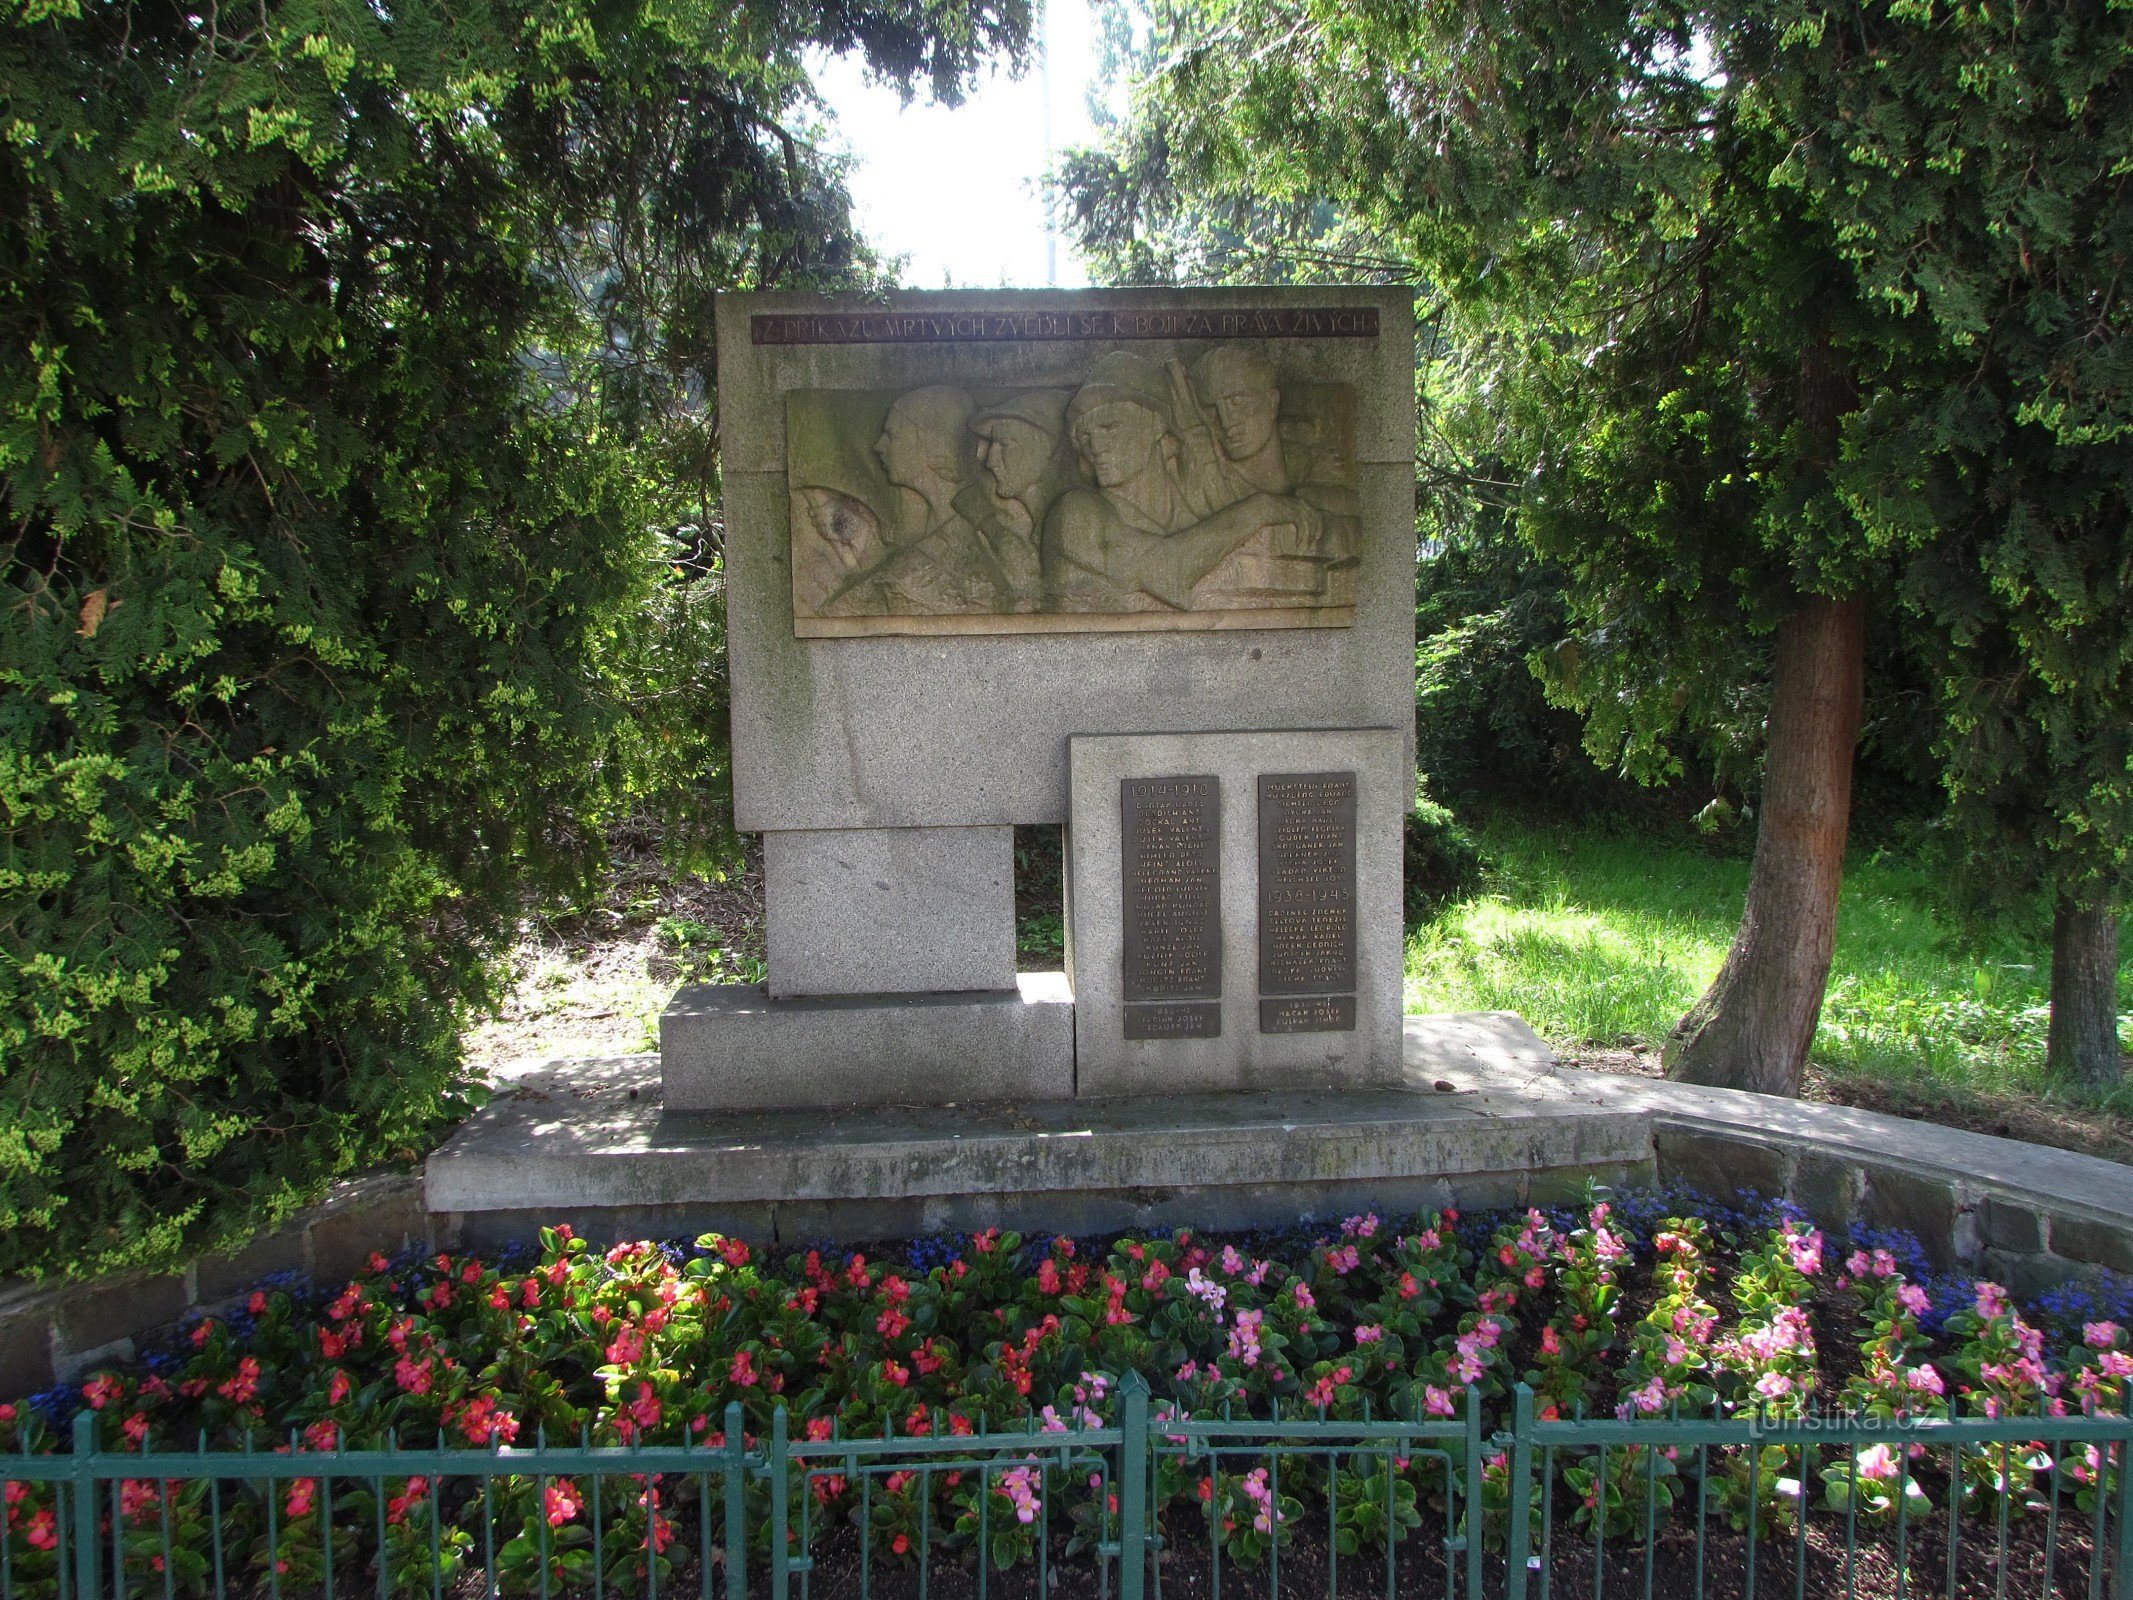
(1600, 938)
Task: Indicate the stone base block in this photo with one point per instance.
(851, 911)
(731, 1047)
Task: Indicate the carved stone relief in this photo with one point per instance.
(1145, 495)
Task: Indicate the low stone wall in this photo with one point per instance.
(2029, 1223)
(1483, 1092)
(2024, 1215)
(56, 1332)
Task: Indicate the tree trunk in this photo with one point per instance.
(1752, 1029)
(2082, 1047)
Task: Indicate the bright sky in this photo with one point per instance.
(957, 191)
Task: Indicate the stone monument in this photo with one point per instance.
(1138, 563)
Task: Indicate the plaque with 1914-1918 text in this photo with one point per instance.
(1171, 870)
(1306, 902)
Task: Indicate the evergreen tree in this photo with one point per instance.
(1973, 161)
(1673, 242)
(350, 356)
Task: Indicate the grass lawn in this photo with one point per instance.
(1605, 939)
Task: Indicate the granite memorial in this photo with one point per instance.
(1135, 563)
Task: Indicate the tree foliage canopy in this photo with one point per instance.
(353, 359)
(1649, 232)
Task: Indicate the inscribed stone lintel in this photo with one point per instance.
(1128, 495)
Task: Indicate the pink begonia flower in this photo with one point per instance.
(1206, 1290)
(561, 1502)
(1018, 1484)
(1650, 1399)
(1877, 1463)
(1773, 1385)
(1914, 1300)
(2100, 1335)
(1244, 1337)
(1806, 1250)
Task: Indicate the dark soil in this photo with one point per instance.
(1424, 1568)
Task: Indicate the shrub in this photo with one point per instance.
(347, 386)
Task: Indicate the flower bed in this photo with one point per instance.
(1630, 1309)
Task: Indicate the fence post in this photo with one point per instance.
(85, 1540)
(780, 1493)
(2122, 1576)
(1520, 1561)
(736, 1511)
(1474, 1470)
(1133, 1487)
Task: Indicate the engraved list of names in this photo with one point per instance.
(1306, 902)
(1171, 866)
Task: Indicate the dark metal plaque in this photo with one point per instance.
(1314, 1013)
(988, 327)
(1170, 861)
(1175, 1019)
(1306, 883)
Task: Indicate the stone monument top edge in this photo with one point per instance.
(1380, 294)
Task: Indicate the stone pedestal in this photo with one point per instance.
(851, 911)
(732, 1047)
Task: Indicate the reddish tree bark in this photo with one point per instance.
(2082, 1046)
(1753, 1027)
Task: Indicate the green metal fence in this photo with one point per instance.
(1153, 1505)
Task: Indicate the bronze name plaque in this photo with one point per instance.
(986, 327)
(1307, 900)
(1170, 863)
(1175, 1019)
(1317, 1013)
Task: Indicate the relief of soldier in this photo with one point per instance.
(1145, 488)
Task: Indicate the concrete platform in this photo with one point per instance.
(590, 1143)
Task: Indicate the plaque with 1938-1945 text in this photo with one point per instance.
(1306, 902)
(1171, 867)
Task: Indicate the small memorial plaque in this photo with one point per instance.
(1315, 1013)
(1175, 1019)
(1171, 871)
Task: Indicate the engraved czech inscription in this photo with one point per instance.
(1170, 865)
(1175, 1019)
(1307, 900)
(994, 327)
(1318, 1013)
